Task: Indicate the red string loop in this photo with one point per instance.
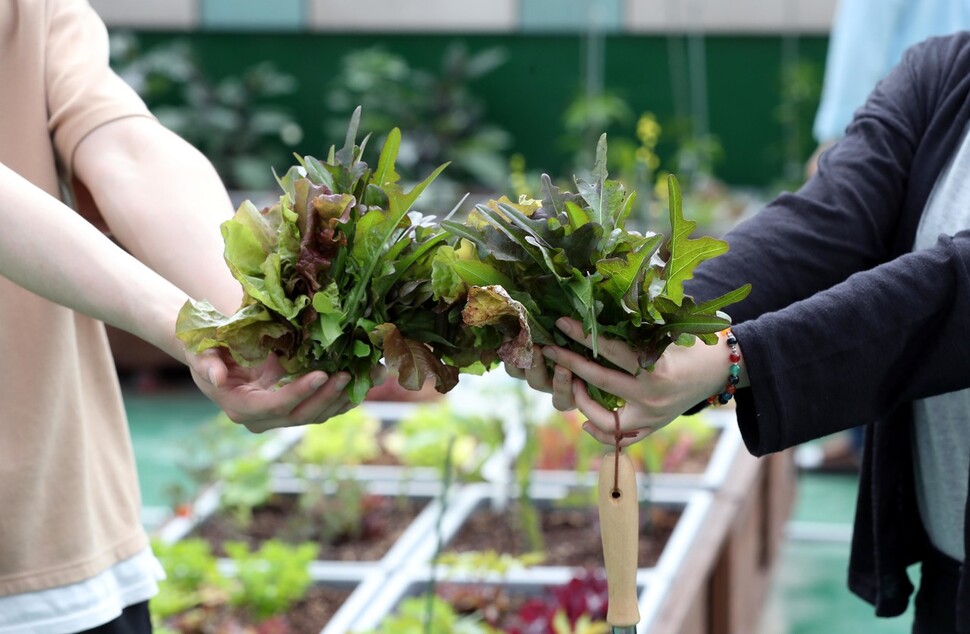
(618, 435)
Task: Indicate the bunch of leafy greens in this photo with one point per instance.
(520, 266)
(341, 273)
(336, 275)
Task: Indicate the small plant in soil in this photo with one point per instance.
(201, 456)
(422, 439)
(348, 439)
(431, 615)
(246, 484)
(578, 607)
(196, 598)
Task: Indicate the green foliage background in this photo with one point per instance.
(542, 75)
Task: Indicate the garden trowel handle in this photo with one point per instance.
(619, 525)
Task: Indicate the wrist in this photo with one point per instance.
(158, 325)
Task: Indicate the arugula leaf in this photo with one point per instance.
(685, 253)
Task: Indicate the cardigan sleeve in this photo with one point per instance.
(853, 353)
(837, 330)
(841, 221)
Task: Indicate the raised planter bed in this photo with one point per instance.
(413, 575)
(515, 589)
(710, 576)
(321, 604)
(407, 510)
(570, 530)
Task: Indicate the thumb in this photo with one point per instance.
(210, 366)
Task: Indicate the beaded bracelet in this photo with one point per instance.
(734, 372)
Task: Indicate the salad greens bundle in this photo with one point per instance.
(341, 273)
(569, 254)
(324, 269)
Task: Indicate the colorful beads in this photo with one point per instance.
(734, 371)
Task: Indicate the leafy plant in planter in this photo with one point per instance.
(192, 582)
(329, 509)
(578, 607)
(215, 443)
(563, 445)
(216, 440)
(246, 484)
(272, 578)
(223, 451)
(414, 616)
(668, 450)
(196, 597)
(332, 510)
(348, 439)
(422, 438)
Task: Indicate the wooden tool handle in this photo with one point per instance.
(619, 525)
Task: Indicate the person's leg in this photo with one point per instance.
(135, 619)
(936, 601)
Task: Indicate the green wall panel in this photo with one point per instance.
(529, 93)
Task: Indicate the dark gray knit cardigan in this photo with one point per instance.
(844, 325)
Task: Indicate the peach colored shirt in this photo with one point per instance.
(69, 496)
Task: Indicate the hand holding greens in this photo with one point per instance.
(323, 269)
(342, 273)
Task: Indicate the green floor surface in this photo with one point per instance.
(161, 424)
(809, 593)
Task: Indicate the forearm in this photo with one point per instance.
(858, 351)
(49, 250)
(164, 202)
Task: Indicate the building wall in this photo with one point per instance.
(488, 16)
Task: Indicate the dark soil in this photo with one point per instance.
(571, 536)
(371, 535)
(316, 609)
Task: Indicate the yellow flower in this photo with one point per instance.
(648, 130)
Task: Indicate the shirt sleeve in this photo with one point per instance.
(82, 90)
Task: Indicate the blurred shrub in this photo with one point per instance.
(441, 119)
(235, 121)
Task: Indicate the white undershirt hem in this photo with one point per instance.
(86, 604)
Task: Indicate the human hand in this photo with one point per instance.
(252, 396)
(681, 378)
(540, 377)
